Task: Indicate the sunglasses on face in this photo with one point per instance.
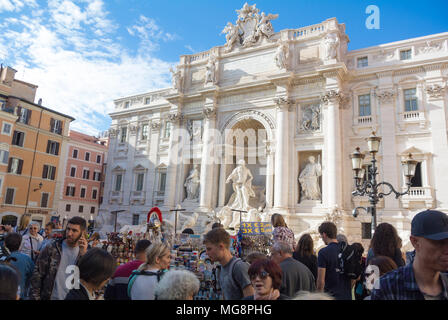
(263, 275)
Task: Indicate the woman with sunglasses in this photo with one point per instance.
(266, 278)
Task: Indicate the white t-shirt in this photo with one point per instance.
(144, 287)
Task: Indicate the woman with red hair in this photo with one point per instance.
(266, 278)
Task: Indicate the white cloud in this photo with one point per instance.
(16, 5)
(70, 52)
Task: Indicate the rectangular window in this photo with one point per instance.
(162, 182)
(3, 105)
(92, 210)
(56, 126)
(75, 154)
(18, 138)
(144, 135)
(70, 191)
(123, 134)
(44, 200)
(139, 186)
(4, 156)
(9, 198)
(135, 219)
(6, 128)
(87, 156)
(15, 166)
(118, 182)
(83, 193)
(53, 147)
(126, 104)
(49, 172)
(24, 115)
(94, 194)
(68, 207)
(416, 181)
(97, 176)
(363, 62)
(86, 174)
(406, 54)
(167, 131)
(73, 172)
(81, 209)
(98, 159)
(364, 105)
(410, 100)
(147, 100)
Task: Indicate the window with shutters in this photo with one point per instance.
(86, 174)
(44, 200)
(4, 156)
(118, 182)
(75, 154)
(9, 198)
(56, 126)
(83, 193)
(24, 115)
(87, 156)
(53, 147)
(70, 191)
(49, 172)
(68, 207)
(6, 128)
(97, 176)
(73, 172)
(15, 166)
(18, 138)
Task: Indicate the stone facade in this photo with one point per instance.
(311, 97)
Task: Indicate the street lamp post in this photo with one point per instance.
(116, 212)
(370, 187)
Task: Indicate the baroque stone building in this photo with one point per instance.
(289, 102)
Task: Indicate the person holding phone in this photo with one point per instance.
(55, 267)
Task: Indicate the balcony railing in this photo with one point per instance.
(413, 116)
(418, 194)
(365, 120)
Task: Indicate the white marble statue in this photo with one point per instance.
(192, 183)
(176, 79)
(210, 73)
(190, 221)
(309, 180)
(331, 43)
(264, 27)
(242, 186)
(281, 55)
(232, 35)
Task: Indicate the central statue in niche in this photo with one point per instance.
(242, 187)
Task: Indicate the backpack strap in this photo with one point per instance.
(136, 273)
(232, 267)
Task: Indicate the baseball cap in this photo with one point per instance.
(430, 224)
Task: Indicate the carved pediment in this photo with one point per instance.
(118, 168)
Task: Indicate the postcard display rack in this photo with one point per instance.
(254, 237)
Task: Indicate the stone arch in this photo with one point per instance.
(261, 117)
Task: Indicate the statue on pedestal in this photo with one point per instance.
(242, 186)
(309, 180)
(192, 183)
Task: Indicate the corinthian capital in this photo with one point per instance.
(209, 112)
(283, 102)
(155, 125)
(333, 96)
(175, 116)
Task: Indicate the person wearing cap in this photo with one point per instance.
(425, 278)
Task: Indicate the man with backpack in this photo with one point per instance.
(232, 276)
(329, 276)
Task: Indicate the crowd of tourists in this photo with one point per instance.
(39, 268)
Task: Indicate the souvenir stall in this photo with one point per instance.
(254, 237)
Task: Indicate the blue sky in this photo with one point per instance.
(83, 54)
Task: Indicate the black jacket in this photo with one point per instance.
(77, 294)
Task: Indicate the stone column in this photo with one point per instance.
(386, 119)
(128, 179)
(269, 176)
(282, 154)
(208, 158)
(153, 151)
(333, 164)
(436, 107)
(173, 160)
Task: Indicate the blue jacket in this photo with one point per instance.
(25, 266)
